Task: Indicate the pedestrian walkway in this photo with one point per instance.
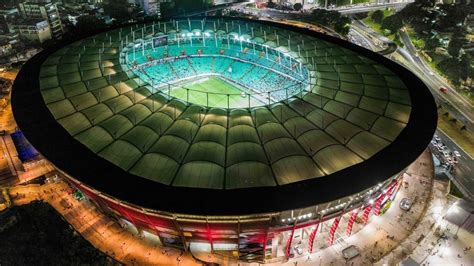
(386, 239)
(448, 243)
(101, 231)
(379, 241)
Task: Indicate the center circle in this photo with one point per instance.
(222, 71)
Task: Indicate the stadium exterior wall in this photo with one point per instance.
(244, 232)
(251, 228)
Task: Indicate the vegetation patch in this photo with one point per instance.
(437, 30)
(39, 235)
(456, 130)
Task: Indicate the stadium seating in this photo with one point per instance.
(274, 75)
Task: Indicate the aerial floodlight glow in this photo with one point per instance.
(235, 139)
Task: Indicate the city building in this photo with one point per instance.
(303, 134)
(5, 48)
(82, 1)
(151, 7)
(36, 30)
(7, 15)
(43, 10)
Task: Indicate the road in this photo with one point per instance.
(214, 9)
(435, 82)
(361, 9)
(380, 42)
(451, 100)
(280, 14)
(463, 171)
(465, 168)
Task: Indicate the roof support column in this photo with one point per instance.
(180, 230)
(209, 234)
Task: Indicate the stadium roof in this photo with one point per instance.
(365, 119)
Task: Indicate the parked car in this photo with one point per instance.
(455, 159)
(450, 161)
(299, 250)
(405, 204)
(457, 154)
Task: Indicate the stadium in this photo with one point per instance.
(245, 138)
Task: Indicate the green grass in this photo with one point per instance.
(213, 92)
(387, 12)
(454, 190)
(377, 27)
(463, 138)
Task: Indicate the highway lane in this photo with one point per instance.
(456, 101)
(355, 37)
(464, 170)
(384, 45)
(361, 9)
(283, 14)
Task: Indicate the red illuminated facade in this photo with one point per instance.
(251, 237)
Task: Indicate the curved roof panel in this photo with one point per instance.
(87, 107)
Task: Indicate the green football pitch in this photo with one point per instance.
(214, 92)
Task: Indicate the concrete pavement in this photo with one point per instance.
(389, 238)
(446, 244)
(102, 232)
(463, 170)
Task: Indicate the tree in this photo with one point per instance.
(297, 6)
(325, 17)
(377, 16)
(271, 4)
(392, 23)
(456, 43)
(431, 43)
(117, 9)
(457, 69)
(233, 13)
(425, 3)
(86, 23)
(465, 68)
(343, 26)
(361, 16)
(454, 15)
(84, 27)
(332, 19)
